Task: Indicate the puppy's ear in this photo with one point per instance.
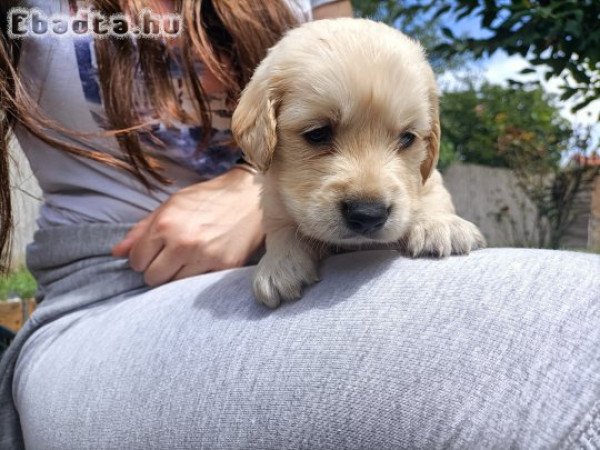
(433, 141)
(254, 121)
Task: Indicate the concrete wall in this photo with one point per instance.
(594, 224)
(26, 197)
(491, 198)
(577, 235)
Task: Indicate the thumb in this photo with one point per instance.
(122, 248)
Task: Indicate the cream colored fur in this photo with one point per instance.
(370, 83)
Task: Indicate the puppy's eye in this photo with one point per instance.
(319, 136)
(406, 140)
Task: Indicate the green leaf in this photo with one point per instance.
(447, 32)
(579, 106)
(528, 70)
(441, 11)
(489, 14)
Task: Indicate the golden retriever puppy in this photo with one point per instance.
(341, 117)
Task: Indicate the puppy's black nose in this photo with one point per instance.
(365, 217)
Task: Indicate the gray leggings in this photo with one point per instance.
(499, 349)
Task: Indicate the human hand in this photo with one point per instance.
(214, 225)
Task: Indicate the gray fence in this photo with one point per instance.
(492, 198)
(26, 196)
(594, 224)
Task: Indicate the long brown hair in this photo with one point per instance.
(230, 37)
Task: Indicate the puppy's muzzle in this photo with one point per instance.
(365, 217)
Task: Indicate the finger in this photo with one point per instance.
(122, 248)
(164, 267)
(191, 270)
(144, 251)
(209, 263)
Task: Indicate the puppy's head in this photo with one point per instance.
(343, 114)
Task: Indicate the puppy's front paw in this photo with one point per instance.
(279, 279)
(442, 235)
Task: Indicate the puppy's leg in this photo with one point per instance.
(290, 263)
(435, 229)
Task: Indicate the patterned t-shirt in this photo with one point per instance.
(61, 74)
(183, 144)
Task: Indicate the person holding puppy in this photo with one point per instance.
(142, 339)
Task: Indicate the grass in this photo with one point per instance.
(18, 283)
